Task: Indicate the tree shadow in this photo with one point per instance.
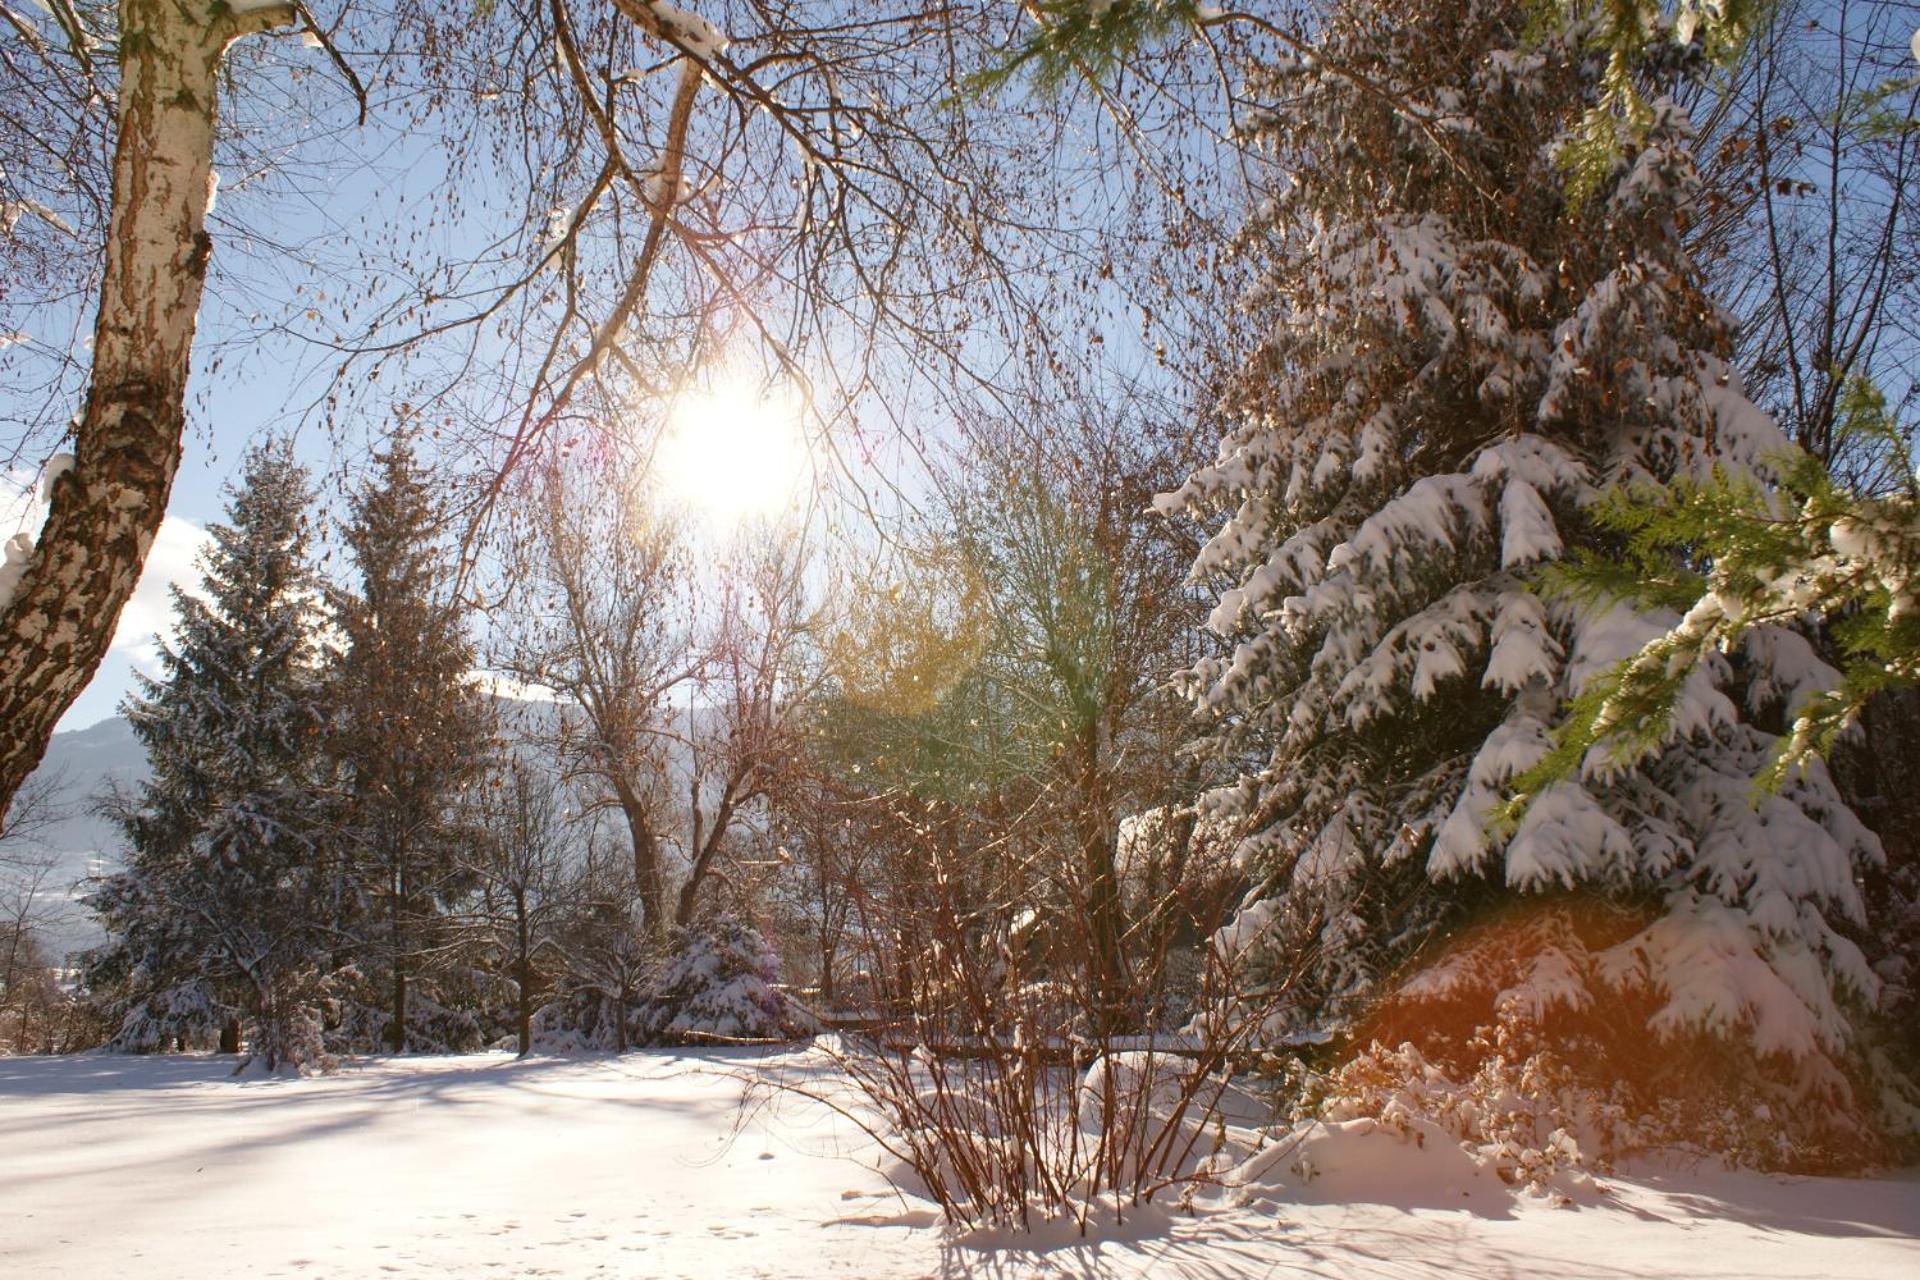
(1886, 1207)
(101, 1092)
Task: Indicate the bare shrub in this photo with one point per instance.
(992, 1073)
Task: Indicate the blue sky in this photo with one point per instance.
(296, 208)
(318, 222)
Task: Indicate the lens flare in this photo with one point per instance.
(732, 455)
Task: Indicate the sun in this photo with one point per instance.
(732, 455)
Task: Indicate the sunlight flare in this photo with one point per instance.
(732, 454)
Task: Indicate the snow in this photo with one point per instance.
(690, 31)
(658, 191)
(686, 1164)
(1703, 957)
(1523, 649)
(17, 552)
(1527, 528)
(58, 465)
(1564, 833)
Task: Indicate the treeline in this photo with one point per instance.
(347, 843)
(652, 775)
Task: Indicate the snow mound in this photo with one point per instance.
(1415, 1165)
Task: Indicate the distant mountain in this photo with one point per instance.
(89, 763)
(86, 764)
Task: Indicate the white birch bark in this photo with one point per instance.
(105, 512)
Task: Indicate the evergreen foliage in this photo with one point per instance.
(1462, 356)
(220, 922)
(721, 982)
(409, 732)
(1746, 565)
(1630, 34)
(1091, 38)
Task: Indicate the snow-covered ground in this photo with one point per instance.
(652, 1165)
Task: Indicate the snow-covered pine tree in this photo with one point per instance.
(1461, 356)
(409, 731)
(217, 926)
(722, 981)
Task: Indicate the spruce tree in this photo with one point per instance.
(409, 733)
(1465, 349)
(213, 925)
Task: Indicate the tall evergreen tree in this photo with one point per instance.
(213, 924)
(1466, 349)
(409, 732)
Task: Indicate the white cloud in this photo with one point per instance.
(170, 561)
(150, 611)
(498, 684)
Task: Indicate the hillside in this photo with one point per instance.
(86, 765)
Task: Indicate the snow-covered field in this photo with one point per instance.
(652, 1165)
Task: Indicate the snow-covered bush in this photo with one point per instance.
(182, 1013)
(1461, 359)
(1525, 1037)
(353, 1026)
(1526, 1119)
(721, 982)
(584, 1019)
(286, 1037)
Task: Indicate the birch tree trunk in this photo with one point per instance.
(107, 509)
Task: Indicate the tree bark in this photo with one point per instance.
(107, 510)
(396, 1033)
(1105, 925)
(397, 1020)
(523, 970)
(705, 850)
(646, 857)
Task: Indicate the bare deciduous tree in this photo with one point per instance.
(524, 895)
(601, 618)
(745, 719)
(1814, 237)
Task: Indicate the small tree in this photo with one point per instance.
(610, 955)
(31, 1001)
(524, 893)
(1087, 608)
